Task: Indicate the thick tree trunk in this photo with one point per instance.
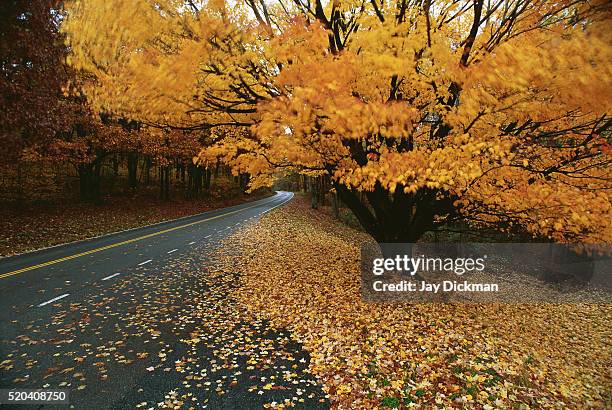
(161, 183)
(198, 179)
(191, 191)
(395, 218)
(163, 175)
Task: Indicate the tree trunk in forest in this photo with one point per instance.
(189, 184)
(167, 183)
(198, 181)
(147, 171)
(116, 165)
(207, 177)
(314, 193)
(395, 218)
(97, 169)
(132, 164)
(164, 183)
(195, 181)
(322, 184)
(84, 176)
(335, 205)
(89, 181)
(20, 197)
(244, 181)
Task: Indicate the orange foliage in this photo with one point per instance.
(496, 112)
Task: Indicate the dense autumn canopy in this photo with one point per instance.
(421, 112)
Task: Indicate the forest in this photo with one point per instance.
(191, 190)
(416, 117)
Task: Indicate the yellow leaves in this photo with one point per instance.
(148, 58)
(397, 384)
(343, 389)
(478, 378)
(447, 169)
(372, 113)
(289, 45)
(444, 356)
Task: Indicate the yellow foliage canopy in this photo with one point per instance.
(495, 112)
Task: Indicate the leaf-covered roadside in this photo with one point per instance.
(301, 272)
(36, 227)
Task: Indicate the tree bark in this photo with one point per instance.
(395, 218)
(147, 171)
(132, 163)
(314, 193)
(244, 181)
(167, 183)
(335, 205)
(207, 175)
(89, 181)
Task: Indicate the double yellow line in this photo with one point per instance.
(114, 245)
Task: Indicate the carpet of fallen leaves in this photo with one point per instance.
(301, 272)
(36, 226)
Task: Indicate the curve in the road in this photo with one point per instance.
(125, 242)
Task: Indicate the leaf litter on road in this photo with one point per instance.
(181, 328)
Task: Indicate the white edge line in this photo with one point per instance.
(111, 276)
(282, 203)
(54, 299)
(191, 243)
(145, 262)
(173, 250)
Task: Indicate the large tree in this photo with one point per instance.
(421, 112)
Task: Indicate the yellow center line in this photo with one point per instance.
(114, 245)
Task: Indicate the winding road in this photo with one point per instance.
(144, 319)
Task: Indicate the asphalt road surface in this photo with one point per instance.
(145, 319)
